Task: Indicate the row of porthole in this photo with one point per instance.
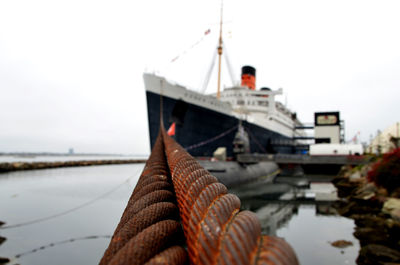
(202, 99)
(239, 102)
(236, 95)
(253, 103)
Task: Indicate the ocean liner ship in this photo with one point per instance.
(201, 123)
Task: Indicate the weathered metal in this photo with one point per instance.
(149, 229)
(216, 232)
(174, 255)
(176, 204)
(148, 243)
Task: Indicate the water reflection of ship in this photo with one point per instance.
(275, 215)
(276, 203)
(325, 209)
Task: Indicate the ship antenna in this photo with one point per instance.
(219, 54)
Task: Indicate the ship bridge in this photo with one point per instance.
(241, 98)
(260, 107)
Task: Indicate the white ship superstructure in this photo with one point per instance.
(257, 107)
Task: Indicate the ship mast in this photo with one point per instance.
(219, 55)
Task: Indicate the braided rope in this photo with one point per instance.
(149, 230)
(216, 231)
(176, 201)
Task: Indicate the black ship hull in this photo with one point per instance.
(201, 130)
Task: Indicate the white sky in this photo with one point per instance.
(71, 71)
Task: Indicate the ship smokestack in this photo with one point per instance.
(249, 77)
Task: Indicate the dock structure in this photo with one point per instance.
(306, 163)
(179, 213)
(303, 159)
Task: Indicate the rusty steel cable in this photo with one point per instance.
(216, 231)
(176, 201)
(149, 230)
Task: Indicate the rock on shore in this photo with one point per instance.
(377, 227)
(4, 260)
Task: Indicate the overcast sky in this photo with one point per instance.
(71, 71)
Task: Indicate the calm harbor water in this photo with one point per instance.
(310, 235)
(102, 191)
(66, 215)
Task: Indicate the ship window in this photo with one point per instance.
(322, 140)
(240, 102)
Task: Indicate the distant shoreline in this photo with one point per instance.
(33, 154)
(18, 166)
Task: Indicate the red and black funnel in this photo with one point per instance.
(249, 77)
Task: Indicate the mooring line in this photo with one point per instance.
(60, 243)
(39, 220)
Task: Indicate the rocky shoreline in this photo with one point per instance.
(15, 166)
(376, 214)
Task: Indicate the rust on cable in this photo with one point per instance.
(179, 213)
(149, 230)
(216, 231)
